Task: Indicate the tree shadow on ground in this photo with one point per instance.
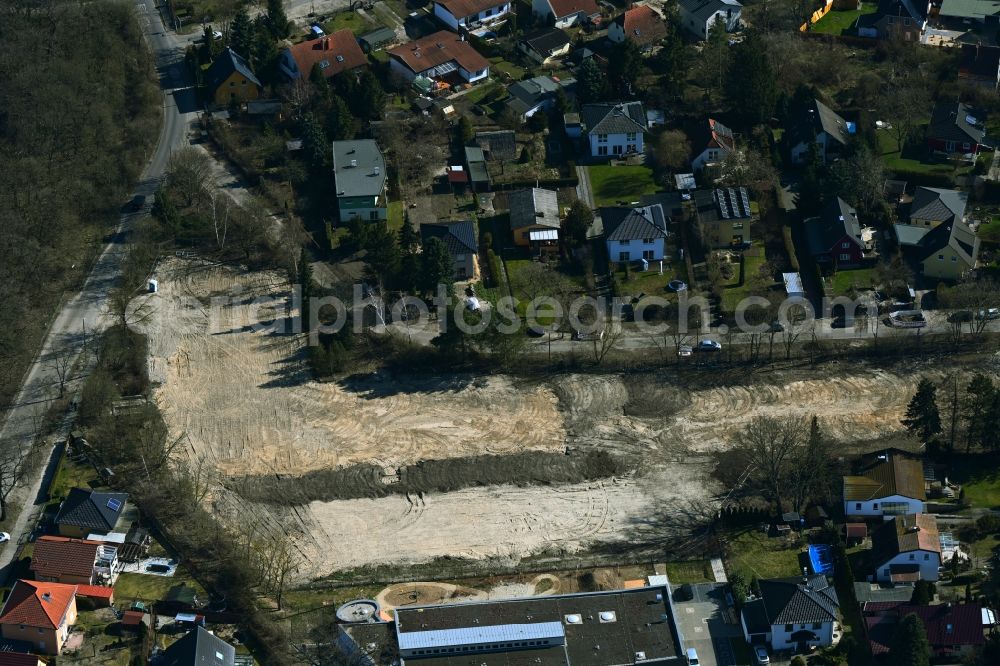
(382, 384)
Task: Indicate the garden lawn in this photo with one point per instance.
(894, 161)
(732, 295)
(395, 216)
(355, 22)
(646, 282)
(754, 553)
(980, 479)
(838, 23)
(612, 184)
(509, 68)
(859, 278)
(697, 571)
(132, 586)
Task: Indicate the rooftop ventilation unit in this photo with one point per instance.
(573, 619)
(607, 617)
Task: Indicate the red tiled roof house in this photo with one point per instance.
(953, 630)
(334, 53)
(566, 13)
(640, 24)
(39, 613)
(442, 57)
(73, 561)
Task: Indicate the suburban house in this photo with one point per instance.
(633, 234)
(230, 79)
(698, 16)
(907, 549)
(533, 95)
(470, 14)
(641, 24)
(887, 483)
(334, 53)
(953, 630)
(198, 647)
(935, 237)
(566, 13)
(835, 236)
(74, 561)
(88, 511)
(791, 613)
(716, 144)
(979, 64)
(723, 216)
(359, 174)
(40, 614)
(460, 239)
(955, 129)
(531, 210)
(442, 59)
(545, 46)
(896, 19)
(817, 122)
(614, 129)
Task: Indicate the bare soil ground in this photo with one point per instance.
(247, 406)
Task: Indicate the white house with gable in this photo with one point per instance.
(470, 13)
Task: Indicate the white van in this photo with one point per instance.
(692, 657)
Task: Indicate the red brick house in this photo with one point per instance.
(953, 630)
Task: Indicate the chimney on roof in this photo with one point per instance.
(326, 43)
(46, 596)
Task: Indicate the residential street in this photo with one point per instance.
(83, 312)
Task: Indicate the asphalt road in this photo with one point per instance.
(84, 312)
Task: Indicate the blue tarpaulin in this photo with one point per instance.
(819, 559)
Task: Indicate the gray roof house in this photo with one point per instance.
(624, 224)
(85, 511)
(198, 647)
(817, 122)
(936, 235)
(835, 235)
(698, 16)
(532, 209)
(614, 129)
(359, 174)
(533, 95)
(955, 128)
(460, 239)
(475, 163)
(228, 62)
(792, 613)
(545, 45)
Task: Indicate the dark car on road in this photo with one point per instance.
(684, 593)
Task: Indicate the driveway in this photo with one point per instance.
(707, 625)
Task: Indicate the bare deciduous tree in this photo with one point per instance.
(769, 445)
(189, 171)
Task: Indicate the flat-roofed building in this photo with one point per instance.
(629, 626)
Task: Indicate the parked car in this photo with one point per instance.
(760, 653)
(677, 285)
(989, 315)
(692, 656)
(709, 345)
(684, 350)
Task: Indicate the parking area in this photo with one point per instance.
(708, 623)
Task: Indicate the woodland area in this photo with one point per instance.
(79, 114)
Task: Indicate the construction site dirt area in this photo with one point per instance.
(246, 406)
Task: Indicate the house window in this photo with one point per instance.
(888, 19)
(912, 557)
(954, 259)
(940, 257)
(602, 138)
(623, 256)
(602, 150)
(631, 148)
(845, 245)
(845, 257)
(875, 506)
(966, 146)
(232, 84)
(788, 627)
(906, 21)
(625, 242)
(647, 241)
(713, 154)
(857, 506)
(737, 226)
(618, 150)
(927, 556)
(648, 255)
(630, 136)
